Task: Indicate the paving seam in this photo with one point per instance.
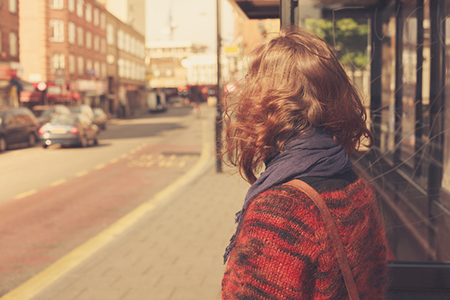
(64, 265)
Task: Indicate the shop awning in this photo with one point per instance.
(22, 84)
(268, 9)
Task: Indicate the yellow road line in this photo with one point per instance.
(124, 156)
(101, 166)
(82, 173)
(114, 160)
(58, 182)
(26, 194)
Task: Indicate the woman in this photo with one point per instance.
(298, 114)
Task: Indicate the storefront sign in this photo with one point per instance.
(5, 71)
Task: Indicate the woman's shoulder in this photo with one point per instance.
(285, 196)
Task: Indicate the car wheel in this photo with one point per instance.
(96, 139)
(45, 146)
(84, 142)
(3, 145)
(31, 140)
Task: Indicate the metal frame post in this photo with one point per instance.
(289, 13)
(219, 92)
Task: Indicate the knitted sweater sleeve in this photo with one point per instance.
(275, 250)
(282, 250)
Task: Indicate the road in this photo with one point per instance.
(54, 199)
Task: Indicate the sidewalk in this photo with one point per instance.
(174, 251)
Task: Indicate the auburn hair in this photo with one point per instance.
(294, 81)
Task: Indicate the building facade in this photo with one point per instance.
(131, 12)
(9, 51)
(126, 67)
(75, 51)
(166, 62)
(63, 50)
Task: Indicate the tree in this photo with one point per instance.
(348, 37)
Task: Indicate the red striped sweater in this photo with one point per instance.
(282, 250)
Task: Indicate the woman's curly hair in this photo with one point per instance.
(294, 81)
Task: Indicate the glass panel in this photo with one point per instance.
(387, 138)
(409, 63)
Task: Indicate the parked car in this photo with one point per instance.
(69, 130)
(83, 109)
(100, 117)
(45, 112)
(18, 126)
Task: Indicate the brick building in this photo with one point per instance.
(75, 51)
(9, 51)
(126, 68)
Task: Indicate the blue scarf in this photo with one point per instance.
(314, 153)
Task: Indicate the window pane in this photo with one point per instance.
(13, 44)
(71, 33)
(88, 40)
(80, 36)
(56, 31)
(110, 34)
(80, 4)
(409, 63)
(96, 17)
(13, 6)
(387, 138)
(88, 12)
(71, 5)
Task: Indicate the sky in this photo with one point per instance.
(195, 21)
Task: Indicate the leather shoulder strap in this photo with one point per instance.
(333, 234)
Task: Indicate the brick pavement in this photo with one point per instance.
(173, 252)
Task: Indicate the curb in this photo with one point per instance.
(70, 261)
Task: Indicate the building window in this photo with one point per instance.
(13, 6)
(89, 69)
(88, 12)
(80, 4)
(96, 43)
(126, 42)
(57, 62)
(121, 67)
(13, 44)
(126, 69)
(71, 64)
(104, 70)
(80, 36)
(133, 45)
(96, 17)
(88, 40)
(71, 5)
(71, 29)
(103, 46)
(80, 66)
(120, 39)
(97, 69)
(110, 34)
(56, 31)
(56, 4)
(103, 21)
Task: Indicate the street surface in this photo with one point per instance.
(54, 199)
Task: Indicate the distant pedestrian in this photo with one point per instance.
(298, 115)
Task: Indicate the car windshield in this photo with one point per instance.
(63, 120)
(98, 112)
(46, 113)
(75, 109)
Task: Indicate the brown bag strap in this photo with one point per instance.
(333, 234)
